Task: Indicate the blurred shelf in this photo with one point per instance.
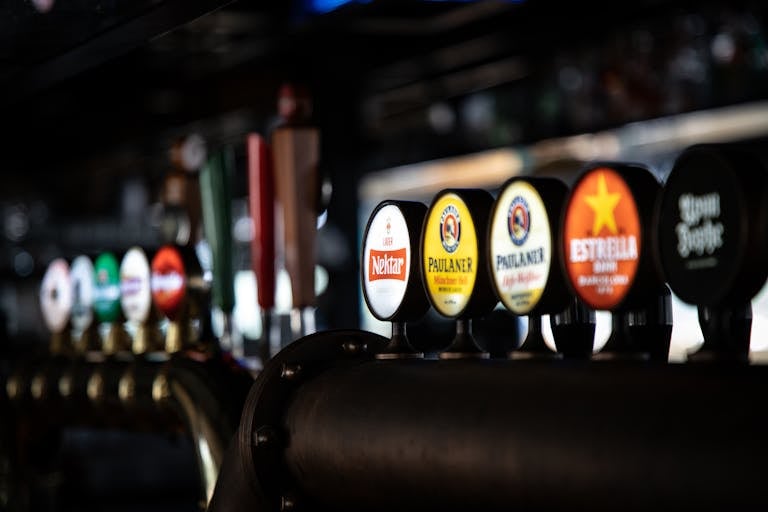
(638, 141)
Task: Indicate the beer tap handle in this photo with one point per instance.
(573, 330)
(215, 191)
(172, 270)
(650, 329)
(261, 194)
(56, 305)
(534, 344)
(712, 220)
(619, 343)
(262, 205)
(296, 154)
(454, 245)
(296, 157)
(726, 333)
(525, 264)
(84, 327)
(391, 271)
(136, 302)
(106, 305)
(608, 242)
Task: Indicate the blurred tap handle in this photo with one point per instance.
(56, 305)
(261, 196)
(294, 105)
(296, 152)
(215, 191)
(180, 190)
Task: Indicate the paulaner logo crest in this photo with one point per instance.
(450, 228)
(519, 221)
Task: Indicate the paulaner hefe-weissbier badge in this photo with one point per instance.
(521, 247)
(387, 257)
(450, 255)
(602, 238)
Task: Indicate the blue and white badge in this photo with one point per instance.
(450, 228)
(519, 220)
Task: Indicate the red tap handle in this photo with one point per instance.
(262, 205)
(296, 151)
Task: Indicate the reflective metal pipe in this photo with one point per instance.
(496, 435)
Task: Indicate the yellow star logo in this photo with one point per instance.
(603, 205)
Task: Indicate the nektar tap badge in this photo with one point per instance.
(519, 221)
(450, 228)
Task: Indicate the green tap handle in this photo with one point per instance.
(215, 191)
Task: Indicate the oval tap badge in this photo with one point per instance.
(712, 225)
(450, 255)
(386, 261)
(520, 247)
(83, 284)
(135, 291)
(169, 281)
(601, 238)
(106, 291)
(56, 296)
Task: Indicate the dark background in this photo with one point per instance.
(93, 93)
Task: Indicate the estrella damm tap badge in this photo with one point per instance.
(450, 256)
(520, 247)
(386, 261)
(602, 238)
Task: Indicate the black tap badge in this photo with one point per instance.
(700, 228)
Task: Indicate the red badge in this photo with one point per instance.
(169, 282)
(602, 238)
(387, 264)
